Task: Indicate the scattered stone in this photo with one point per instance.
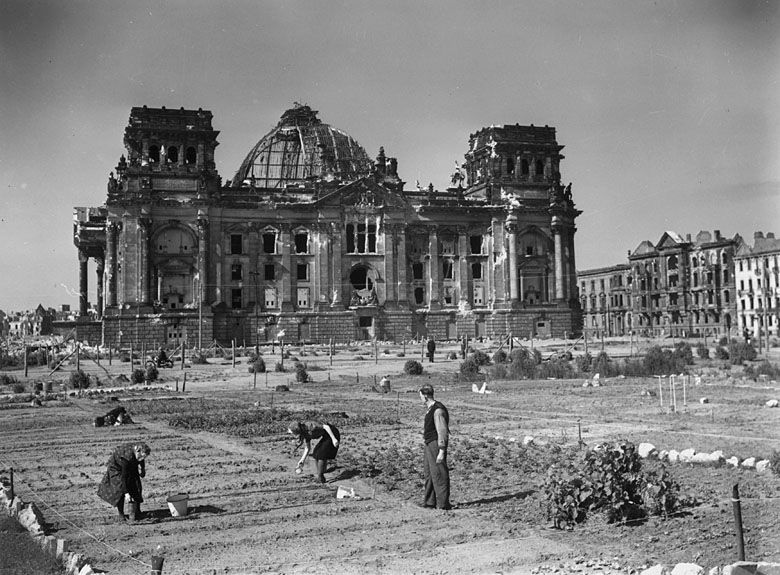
(655, 570)
(762, 465)
(687, 569)
(717, 455)
(663, 455)
(586, 384)
(686, 455)
(749, 463)
(772, 403)
(648, 393)
(674, 456)
(645, 450)
(733, 461)
(528, 440)
(704, 400)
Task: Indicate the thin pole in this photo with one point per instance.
(738, 521)
(25, 360)
(376, 352)
(12, 485)
(78, 358)
(660, 390)
(131, 363)
(183, 352)
(674, 393)
(671, 379)
(233, 350)
(109, 354)
(254, 378)
(330, 351)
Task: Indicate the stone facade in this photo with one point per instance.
(757, 277)
(677, 286)
(312, 240)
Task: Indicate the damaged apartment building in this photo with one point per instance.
(313, 238)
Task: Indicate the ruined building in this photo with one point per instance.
(314, 238)
(757, 277)
(677, 286)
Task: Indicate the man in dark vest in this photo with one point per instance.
(436, 434)
(431, 349)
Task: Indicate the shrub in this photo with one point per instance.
(500, 356)
(18, 387)
(740, 352)
(555, 368)
(279, 366)
(301, 375)
(721, 353)
(198, 358)
(6, 379)
(609, 479)
(522, 362)
(413, 367)
(139, 376)
(602, 364)
(481, 357)
(469, 368)
(452, 355)
(723, 341)
(584, 362)
(774, 462)
(78, 380)
(257, 366)
(659, 361)
(499, 371)
(683, 352)
(703, 351)
(151, 372)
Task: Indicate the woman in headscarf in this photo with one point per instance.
(123, 475)
(326, 449)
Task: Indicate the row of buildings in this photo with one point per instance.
(313, 238)
(707, 285)
(33, 323)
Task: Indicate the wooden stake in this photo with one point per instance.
(12, 493)
(233, 349)
(184, 383)
(254, 379)
(330, 350)
(78, 357)
(735, 502)
(25, 360)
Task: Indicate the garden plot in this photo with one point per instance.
(223, 442)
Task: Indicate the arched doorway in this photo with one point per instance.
(362, 280)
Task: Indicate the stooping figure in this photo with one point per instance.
(436, 434)
(125, 468)
(326, 449)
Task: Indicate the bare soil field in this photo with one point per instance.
(223, 442)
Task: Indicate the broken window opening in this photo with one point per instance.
(476, 244)
(236, 272)
(236, 244)
(419, 295)
(447, 268)
(417, 270)
(173, 155)
(269, 242)
(269, 272)
(510, 166)
(190, 155)
(301, 243)
(302, 272)
(525, 169)
(154, 154)
(235, 298)
(476, 271)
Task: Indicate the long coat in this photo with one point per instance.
(122, 476)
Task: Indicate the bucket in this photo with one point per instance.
(178, 504)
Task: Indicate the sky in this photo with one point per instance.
(669, 110)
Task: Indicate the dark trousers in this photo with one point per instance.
(321, 465)
(437, 478)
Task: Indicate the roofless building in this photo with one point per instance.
(313, 237)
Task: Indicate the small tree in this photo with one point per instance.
(257, 366)
(301, 375)
(151, 372)
(78, 380)
(413, 367)
(703, 351)
(139, 375)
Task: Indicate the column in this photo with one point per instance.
(511, 226)
(111, 232)
(388, 240)
(402, 292)
(435, 280)
(287, 277)
(320, 243)
(559, 294)
(83, 283)
(336, 232)
(203, 252)
(465, 285)
(99, 272)
(142, 286)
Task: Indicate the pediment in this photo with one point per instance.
(644, 248)
(364, 193)
(670, 240)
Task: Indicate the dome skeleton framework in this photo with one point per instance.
(302, 148)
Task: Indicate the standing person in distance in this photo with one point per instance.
(436, 434)
(431, 349)
(327, 448)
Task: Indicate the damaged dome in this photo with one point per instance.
(302, 148)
